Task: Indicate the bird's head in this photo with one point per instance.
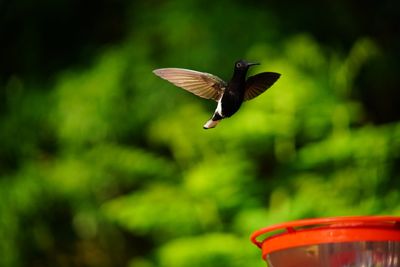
(244, 65)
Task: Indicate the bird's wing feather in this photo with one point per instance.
(199, 83)
(259, 83)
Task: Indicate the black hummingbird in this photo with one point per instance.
(229, 96)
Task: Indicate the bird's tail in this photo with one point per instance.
(211, 124)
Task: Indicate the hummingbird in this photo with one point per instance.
(228, 95)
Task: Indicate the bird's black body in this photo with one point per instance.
(231, 102)
(233, 97)
(229, 96)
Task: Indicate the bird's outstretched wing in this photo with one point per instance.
(257, 84)
(201, 84)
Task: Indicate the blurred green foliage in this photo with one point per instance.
(108, 165)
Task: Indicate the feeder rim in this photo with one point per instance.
(343, 221)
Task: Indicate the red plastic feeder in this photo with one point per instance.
(370, 241)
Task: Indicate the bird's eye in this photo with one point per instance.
(238, 65)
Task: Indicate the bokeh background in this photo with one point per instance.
(104, 164)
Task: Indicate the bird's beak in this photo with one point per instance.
(252, 64)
